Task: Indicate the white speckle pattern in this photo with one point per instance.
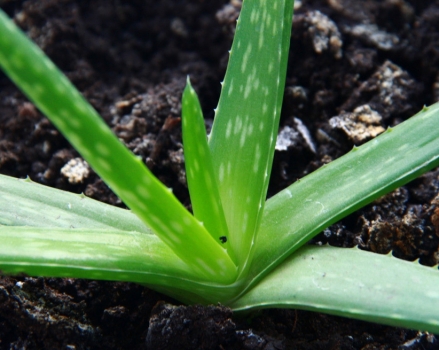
(221, 173)
(60, 123)
(191, 173)
(244, 222)
(432, 294)
(143, 192)
(75, 139)
(177, 226)
(243, 134)
(147, 180)
(186, 221)
(246, 57)
(229, 168)
(231, 88)
(196, 165)
(229, 128)
(238, 125)
(175, 239)
(257, 158)
(102, 149)
(38, 89)
(102, 163)
(270, 67)
(203, 265)
(250, 129)
(128, 196)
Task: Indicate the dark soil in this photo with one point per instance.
(130, 60)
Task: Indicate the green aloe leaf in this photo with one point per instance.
(104, 254)
(27, 203)
(126, 175)
(202, 181)
(247, 118)
(62, 234)
(351, 283)
(308, 206)
(92, 253)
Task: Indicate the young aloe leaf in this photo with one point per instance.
(308, 206)
(202, 182)
(351, 283)
(126, 175)
(247, 118)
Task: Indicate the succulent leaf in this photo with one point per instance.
(308, 206)
(351, 283)
(247, 118)
(202, 181)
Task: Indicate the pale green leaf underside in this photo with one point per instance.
(351, 283)
(127, 176)
(27, 203)
(247, 118)
(202, 182)
(99, 253)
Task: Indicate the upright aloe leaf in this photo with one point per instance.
(127, 176)
(247, 118)
(202, 181)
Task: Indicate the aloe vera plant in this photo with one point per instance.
(237, 248)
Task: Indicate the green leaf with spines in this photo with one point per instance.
(125, 174)
(27, 203)
(351, 283)
(104, 254)
(247, 118)
(202, 181)
(307, 207)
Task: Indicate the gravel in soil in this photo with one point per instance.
(355, 68)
